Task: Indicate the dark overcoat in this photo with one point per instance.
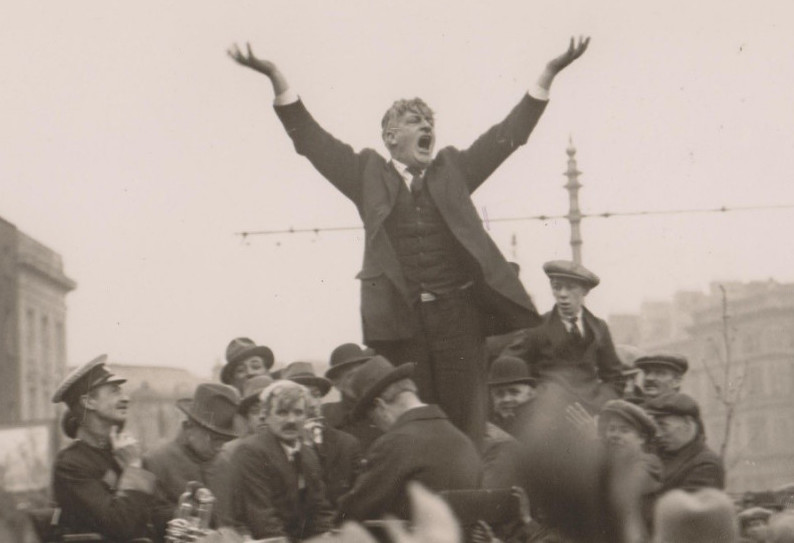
(340, 459)
(592, 374)
(422, 445)
(96, 495)
(372, 183)
(692, 467)
(267, 499)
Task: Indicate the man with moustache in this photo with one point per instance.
(662, 373)
(433, 283)
(98, 481)
(278, 481)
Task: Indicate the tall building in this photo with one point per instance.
(33, 289)
(739, 339)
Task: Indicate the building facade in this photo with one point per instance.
(33, 289)
(739, 339)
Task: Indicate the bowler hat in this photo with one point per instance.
(303, 373)
(675, 362)
(571, 270)
(347, 356)
(251, 390)
(633, 414)
(240, 349)
(372, 378)
(675, 403)
(213, 407)
(84, 379)
(508, 370)
(705, 516)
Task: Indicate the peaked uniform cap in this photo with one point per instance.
(674, 361)
(303, 373)
(213, 407)
(240, 349)
(508, 370)
(347, 356)
(84, 379)
(372, 378)
(571, 270)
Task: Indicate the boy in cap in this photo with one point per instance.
(572, 347)
(512, 391)
(98, 481)
(687, 462)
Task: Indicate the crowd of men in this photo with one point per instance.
(523, 423)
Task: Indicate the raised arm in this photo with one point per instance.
(492, 148)
(263, 66)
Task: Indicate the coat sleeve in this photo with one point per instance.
(381, 484)
(609, 365)
(335, 160)
(122, 514)
(706, 472)
(253, 478)
(494, 146)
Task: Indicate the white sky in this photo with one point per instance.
(131, 144)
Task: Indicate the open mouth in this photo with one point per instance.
(425, 141)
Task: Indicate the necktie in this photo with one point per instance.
(416, 180)
(575, 332)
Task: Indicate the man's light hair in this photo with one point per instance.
(391, 392)
(286, 393)
(400, 108)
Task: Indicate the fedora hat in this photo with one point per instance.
(251, 390)
(213, 407)
(240, 349)
(346, 357)
(508, 370)
(84, 379)
(372, 378)
(303, 373)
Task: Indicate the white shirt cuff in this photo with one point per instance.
(289, 96)
(538, 93)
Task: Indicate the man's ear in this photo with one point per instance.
(87, 401)
(389, 138)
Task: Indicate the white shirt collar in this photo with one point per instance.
(402, 169)
(579, 323)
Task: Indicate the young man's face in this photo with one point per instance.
(659, 380)
(109, 403)
(675, 432)
(619, 433)
(286, 419)
(250, 367)
(411, 138)
(254, 418)
(569, 295)
(507, 398)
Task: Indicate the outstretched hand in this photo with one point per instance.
(576, 49)
(251, 61)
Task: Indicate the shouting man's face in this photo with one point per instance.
(410, 136)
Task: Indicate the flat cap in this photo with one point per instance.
(631, 413)
(674, 361)
(571, 270)
(676, 403)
